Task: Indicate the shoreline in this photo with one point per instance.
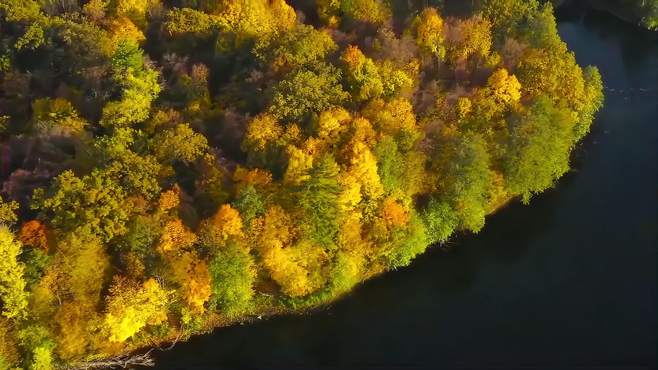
(141, 356)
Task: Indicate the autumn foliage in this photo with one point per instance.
(175, 166)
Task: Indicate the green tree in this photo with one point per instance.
(38, 343)
(301, 46)
(94, 204)
(179, 143)
(318, 197)
(139, 87)
(390, 164)
(541, 139)
(233, 273)
(362, 75)
(440, 221)
(466, 179)
(250, 203)
(307, 91)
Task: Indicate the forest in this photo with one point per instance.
(173, 166)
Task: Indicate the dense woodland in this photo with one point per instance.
(170, 166)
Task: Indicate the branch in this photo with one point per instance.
(118, 362)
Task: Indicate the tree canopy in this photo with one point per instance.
(176, 166)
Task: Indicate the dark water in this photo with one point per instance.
(567, 282)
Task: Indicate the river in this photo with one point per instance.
(568, 281)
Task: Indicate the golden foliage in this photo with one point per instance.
(132, 306)
(429, 32)
(256, 177)
(224, 224)
(169, 199)
(393, 213)
(175, 236)
(262, 130)
(506, 88)
(191, 272)
(12, 283)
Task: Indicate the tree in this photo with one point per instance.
(302, 46)
(307, 91)
(132, 306)
(33, 234)
(297, 268)
(504, 87)
(593, 98)
(466, 178)
(56, 116)
(38, 343)
(395, 118)
(139, 84)
(84, 262)
(249, 203)
(541, 139)
(233, 273)
(12, 283)
(175, 236)
(249, 19)
(361, 74)
(390, 164)
(408, 242)
(363, 167)
(369, 11)
(191, 272)
(179, 143)
(467, 38)
(332, 124)
(94, 204)
(8, 212)
(440, 221)
(429, 33)
(318, 197)
(225, 224)
(650, 16)
(507, 16)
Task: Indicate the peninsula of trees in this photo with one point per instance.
(171, 166)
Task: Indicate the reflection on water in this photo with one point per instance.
(568, 281)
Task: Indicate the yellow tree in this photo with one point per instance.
(132, 306)
(504, 87)
(467, 38)
(12, 282)
(262, 136)
(191, 272)
(224, 224)
(249, 19)
(332, 123)
(392, 117)
(369, 11)
(299, 163)
(363, 166)
(175, 236)
(294, 266)
(429, 33)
